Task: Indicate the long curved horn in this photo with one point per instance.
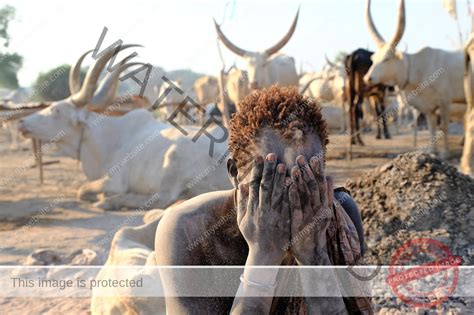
(75, 74)
(237, 50)
(330, 63)
(309, 83)
(400, 25)
(107, 90)
(88, 87)
(379, 41)
(270, 51)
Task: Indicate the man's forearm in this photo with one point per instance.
(256, 282)
(323, 305)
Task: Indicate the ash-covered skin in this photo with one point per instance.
(269, 131)
(184, 224)
(271, 141)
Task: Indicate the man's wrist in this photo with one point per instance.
(255, 273)
(318, 257)
(263, 258)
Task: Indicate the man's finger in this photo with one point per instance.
(285, 213)
(254, 185)
(241, 202)
(297, 177)
(278, 186)
(266, 185)
(330, 183)
(310, 181)
(296, 212)
(323, 189)
(317, 167)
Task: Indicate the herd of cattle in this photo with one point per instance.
(130, 156)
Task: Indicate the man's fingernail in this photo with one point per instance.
(314, 159)
(295, 171)
(301, 160)
(271, 157)
(281, 168)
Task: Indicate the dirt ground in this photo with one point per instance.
(67, 224)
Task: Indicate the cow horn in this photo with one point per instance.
(270, 51)
(330, 63)
(400, 25)
(309, 83)
(75, 74)
(107, 90)
(379, 41)
(88, 87)
(237, 50)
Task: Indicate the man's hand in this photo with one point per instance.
(311, 200)
(264, 219)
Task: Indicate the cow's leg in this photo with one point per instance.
(386, 133)
(352, 114)
(358, 117)
(432, 125)
(90, 190)
(344, 118)
(375, 104)
(127, 200)
(444, 111)
(467, 160)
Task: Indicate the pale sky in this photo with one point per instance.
(181, 34)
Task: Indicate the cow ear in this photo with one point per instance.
(232, 172)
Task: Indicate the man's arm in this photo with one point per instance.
(171, 248)
(311, 199)
(263, 221)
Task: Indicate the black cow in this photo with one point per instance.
(357, 65)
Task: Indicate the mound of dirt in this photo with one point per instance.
(413, 196)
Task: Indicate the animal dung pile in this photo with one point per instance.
(413, 196)
(416, 196)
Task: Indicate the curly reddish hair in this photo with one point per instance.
(281, 108)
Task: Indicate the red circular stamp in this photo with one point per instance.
(430, 283)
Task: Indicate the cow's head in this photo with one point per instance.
(389, 66)
(257, 61)
(62, 121)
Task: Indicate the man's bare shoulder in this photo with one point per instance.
(183, 225)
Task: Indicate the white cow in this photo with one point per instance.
(266, 68)
(131, 158)
(133, 247)
(236, 84)
(206, 89)
(327, 86)
(467, 160)
(175, 94)
(431, 78)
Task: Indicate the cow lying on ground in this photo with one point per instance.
(267, 209)
(131, 161)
